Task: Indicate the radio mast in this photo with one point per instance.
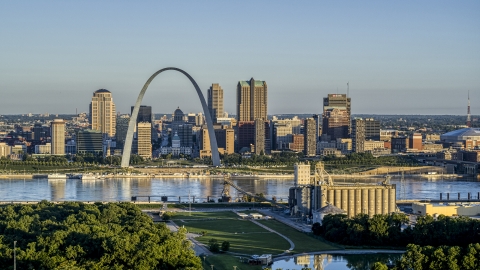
(469, 124)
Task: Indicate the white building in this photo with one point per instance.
(301, 174)
(5, 149)
(43, 149)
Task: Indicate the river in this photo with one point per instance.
(122, 189)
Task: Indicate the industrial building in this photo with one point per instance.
(353, 198)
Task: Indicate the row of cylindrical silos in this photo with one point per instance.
(356, 199)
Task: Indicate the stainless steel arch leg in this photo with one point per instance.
(127, 148)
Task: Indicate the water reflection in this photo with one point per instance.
(123, 189)
(336, 261)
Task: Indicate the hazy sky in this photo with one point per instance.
(400, 57)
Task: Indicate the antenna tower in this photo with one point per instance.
(469, 124)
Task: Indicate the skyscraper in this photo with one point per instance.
(102, 112)
(144, 114)
(358, 135)
(259, 136)
(58, 137)
(251, 100)
(144, 138)
(336, 116)
(215, 101)
(121, 130)
(310, 142)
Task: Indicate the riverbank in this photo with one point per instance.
(244, 176)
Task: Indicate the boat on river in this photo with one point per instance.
(88, 177)
(57, 176)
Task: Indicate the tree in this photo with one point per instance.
(379, 266)
(91, 236)
(316, 228)
(213, 245)
(225, 246)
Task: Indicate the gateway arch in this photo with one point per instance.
(127, 148)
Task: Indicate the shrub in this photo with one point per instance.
(225, 246)
(213, 245)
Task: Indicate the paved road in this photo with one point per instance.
(292, 245)
(286, 220)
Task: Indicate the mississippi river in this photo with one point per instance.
(123, 189)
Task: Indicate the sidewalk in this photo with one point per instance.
(286, 220)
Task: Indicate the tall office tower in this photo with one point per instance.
(335, 123)
(102, 112)
(144, 140)
(225, 139)
(318, 124)
(215, 101)
(38, 132)
(58, 137)
(199, 119)
(310, 143)
(246, 134)
(89, 141)
(358, 135)
(121, 130)
(184, 132)
(251, 100)
(336, 116)
(5, 149)
(259, 136)
(372, 129)
(144, 114)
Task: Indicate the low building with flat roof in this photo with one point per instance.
(447, 209)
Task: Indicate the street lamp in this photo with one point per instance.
(14, 255)
(211, 266)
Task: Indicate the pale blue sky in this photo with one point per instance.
(400, 57)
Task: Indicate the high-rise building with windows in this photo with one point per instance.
(102, 112)
(310, 142)
(358, 135)
(121, 130)
(144, 114)
(89, 141)
(336, 116)
(251, 100)
(144, 140)
(58, 137)
(215, 102)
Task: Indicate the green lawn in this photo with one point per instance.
(303, 242)
(204, 215)
(244, 236)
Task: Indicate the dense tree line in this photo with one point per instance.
(282, 158)
(76, 160)
(385, 230)
(369, 159)
(90, 236)
(441, 258)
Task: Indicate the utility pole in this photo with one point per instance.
(14, 255)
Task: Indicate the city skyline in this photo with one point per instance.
(417, 58)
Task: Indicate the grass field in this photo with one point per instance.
(244, 236)
(303, 242)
